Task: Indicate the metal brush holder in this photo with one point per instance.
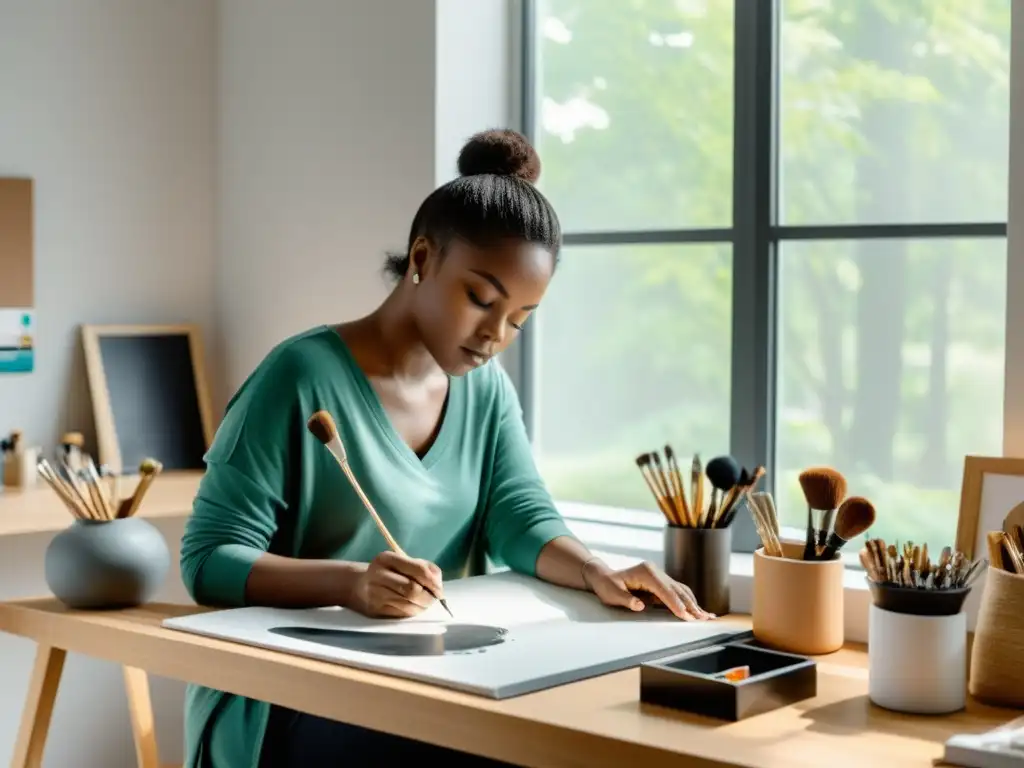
(699, 558)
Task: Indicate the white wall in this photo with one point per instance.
(476, 74)
(243, 164)
(1013, 434)
(327, 148)
(333, 128)
(110, 106)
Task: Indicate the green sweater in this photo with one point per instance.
(270, 486)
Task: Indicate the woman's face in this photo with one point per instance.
(472, 302)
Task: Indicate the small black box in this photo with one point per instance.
(690, 681)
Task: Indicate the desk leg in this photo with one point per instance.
(35, 718)
(140, 710)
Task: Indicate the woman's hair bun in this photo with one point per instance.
(501, 152)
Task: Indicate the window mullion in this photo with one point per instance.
(752, 431)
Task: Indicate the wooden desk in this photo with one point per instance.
(38, 510)
(597, 722)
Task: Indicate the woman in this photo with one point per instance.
(433, 431)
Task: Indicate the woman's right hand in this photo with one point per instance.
(392, 586)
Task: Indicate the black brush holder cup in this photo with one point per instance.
(699, 558)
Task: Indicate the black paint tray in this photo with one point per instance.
(688, 681)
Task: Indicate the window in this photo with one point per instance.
(786, 240)
(637, 355)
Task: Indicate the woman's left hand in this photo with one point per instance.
(616, 588)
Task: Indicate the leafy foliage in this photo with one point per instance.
(890, 351)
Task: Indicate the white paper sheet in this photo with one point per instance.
(555, 635)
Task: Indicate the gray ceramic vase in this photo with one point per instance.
(107, 564)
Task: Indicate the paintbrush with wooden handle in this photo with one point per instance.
(321, 425)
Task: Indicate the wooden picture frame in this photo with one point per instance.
(992, 487)
(109, 443)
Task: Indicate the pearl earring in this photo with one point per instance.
(415, 278)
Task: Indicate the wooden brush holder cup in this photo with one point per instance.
(917, 649)
(798, 604)
(700, 559)
(19, 469)
(997, 656)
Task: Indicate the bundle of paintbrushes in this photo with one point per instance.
(729, 483)
(911, 566)
(832, 518)
(92, 494)
(766, 522)
(1006, 549)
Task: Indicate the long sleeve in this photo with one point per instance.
(250, 469)
(521, 517)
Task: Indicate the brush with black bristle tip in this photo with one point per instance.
(824, 489)
(723, 473)
(729, 504)
(853, 518)
(748, 481)
(321, 425)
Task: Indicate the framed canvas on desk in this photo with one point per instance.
(149, 395)
(993, 487)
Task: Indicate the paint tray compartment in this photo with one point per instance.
(695, 681)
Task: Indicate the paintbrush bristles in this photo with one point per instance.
(643, 461)
(1004, 553)
(823, 487)
(148, 470)
(853, 518)
(86, 495)
(321, 425)
(676, 477)
(867, 562)
(913, 569)
(855, 515)
(729, 482)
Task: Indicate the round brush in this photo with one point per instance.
(723, 473)
(321, 425)
(824, 489)
(854, 516)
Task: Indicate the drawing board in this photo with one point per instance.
(511, 635)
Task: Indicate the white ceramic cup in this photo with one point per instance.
(917, 664)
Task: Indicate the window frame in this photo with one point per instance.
(756, 236)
